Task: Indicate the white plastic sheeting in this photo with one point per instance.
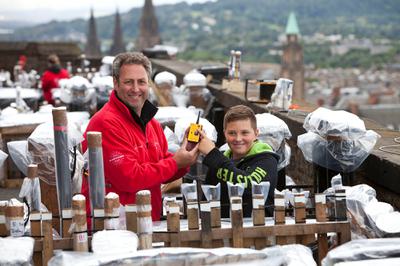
(364, 249)
(274, 131)
(16, 250)
(336, 140)
(290, 255)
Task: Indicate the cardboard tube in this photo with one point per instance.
(15, 220)
(215, 214)
(320, 207)
(173, 222)
(3, 227)
(237, 222)
(144, 221)
(258, 209)
(131, 217)
(96, 170)
(279, 213)
(80, 236)
(63, 173)
(111, 211)
(192, 210)
(300, 208)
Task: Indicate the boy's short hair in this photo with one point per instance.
(240, 112)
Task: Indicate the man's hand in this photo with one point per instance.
(206, 144)
(186, 158)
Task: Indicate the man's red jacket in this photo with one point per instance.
(135, 158)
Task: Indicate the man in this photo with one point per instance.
(246, 160)
(134, 146)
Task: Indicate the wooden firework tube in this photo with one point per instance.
(3, 227)
(192, 210)
(98, 219)
(320, 207)
(63, 172)
(47, 230)
(173, 223)
(35, 216)
(237, 222)
(279, 213)
(80, 237)
(258, 209)
(144, 221)
(215, 214)
(300, 208)
(111, 211)
(206, 233)
(131, 217)
(15, 220)
(96, 178)
(66, 219)
(340, 205)
(32, 171)
(330, 207)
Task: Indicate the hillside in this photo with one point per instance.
(210, 30)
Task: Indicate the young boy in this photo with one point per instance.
(246, 160)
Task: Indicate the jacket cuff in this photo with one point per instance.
(214, 158)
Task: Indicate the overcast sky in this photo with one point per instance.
(46, 10)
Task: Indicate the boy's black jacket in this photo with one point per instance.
(260, 164)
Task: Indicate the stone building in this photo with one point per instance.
(292, 66)
(37, 53)
(92, 48)
(148, 28)
(118, 45)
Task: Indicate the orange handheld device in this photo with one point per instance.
(194, 135)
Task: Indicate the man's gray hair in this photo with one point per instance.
(134, 58)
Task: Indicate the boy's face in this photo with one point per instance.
(240, 136)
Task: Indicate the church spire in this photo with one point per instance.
(118, 45)
(92, 49)
(149, 35)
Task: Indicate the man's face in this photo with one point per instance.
(240, 136)
(133, 86)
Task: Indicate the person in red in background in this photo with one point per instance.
(51, 77)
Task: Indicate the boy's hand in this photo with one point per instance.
(206, 144)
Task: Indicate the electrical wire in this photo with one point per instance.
(384, 148)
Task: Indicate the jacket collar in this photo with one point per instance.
(148, 110)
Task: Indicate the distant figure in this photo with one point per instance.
(21, 78)
(51, 77)
(334, 97)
